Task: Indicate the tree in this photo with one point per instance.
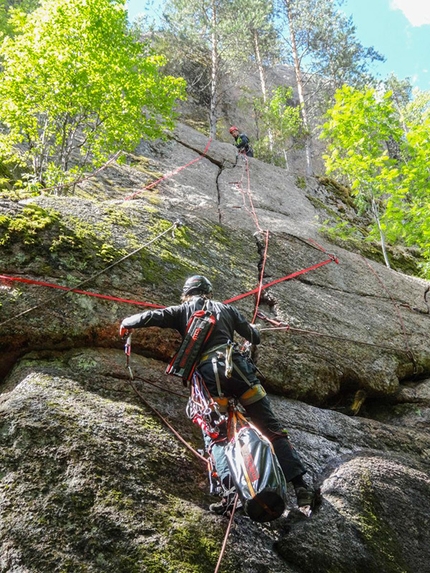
(255, 46)
(281, 121)
(361, 127)
(407, 214)
(325, 54)
(203, 27)
(416, 110)
(358, 128)
(76, 86)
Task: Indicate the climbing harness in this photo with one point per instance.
(223, 356)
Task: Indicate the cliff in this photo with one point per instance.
(93, 480)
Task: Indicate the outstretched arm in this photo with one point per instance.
(164, 318)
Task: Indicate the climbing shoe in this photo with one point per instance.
(225, 506)
(308, 499)
(219, 508)
(305, 496)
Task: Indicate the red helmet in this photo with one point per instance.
(233, 128)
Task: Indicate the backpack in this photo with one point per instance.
(198, 330)
(255, 471)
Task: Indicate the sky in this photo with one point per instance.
(397, 29)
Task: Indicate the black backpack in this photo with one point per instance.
(255, 471)
(199, 328)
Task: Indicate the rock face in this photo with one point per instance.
(93, 480)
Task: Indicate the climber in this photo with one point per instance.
(241, 142)
(242, 384)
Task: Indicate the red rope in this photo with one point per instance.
(88, 293)
(247, 194)
(227, 533)
(286, 278)
(260, 285)
(154, 183)
(256, 290)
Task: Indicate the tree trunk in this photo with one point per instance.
(381, 233)
(263, 83)
(300, 88)
(214, 74)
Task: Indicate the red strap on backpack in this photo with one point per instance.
(199, 329)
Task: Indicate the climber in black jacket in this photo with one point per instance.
(242, 384)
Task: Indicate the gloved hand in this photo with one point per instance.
(123, 332)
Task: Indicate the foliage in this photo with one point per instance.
(254, 34)
(407, 214)
(6, 6)
(417, 108)
(76, 87)
(281, 120)
(359, 128)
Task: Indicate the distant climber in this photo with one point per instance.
(241, 383)
(241, 141)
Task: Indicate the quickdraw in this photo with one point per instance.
(202, 409)
(127, 351)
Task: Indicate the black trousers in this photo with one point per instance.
(260, 412)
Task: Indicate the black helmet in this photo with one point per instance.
(197, 284)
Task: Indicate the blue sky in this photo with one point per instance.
(398, 29)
